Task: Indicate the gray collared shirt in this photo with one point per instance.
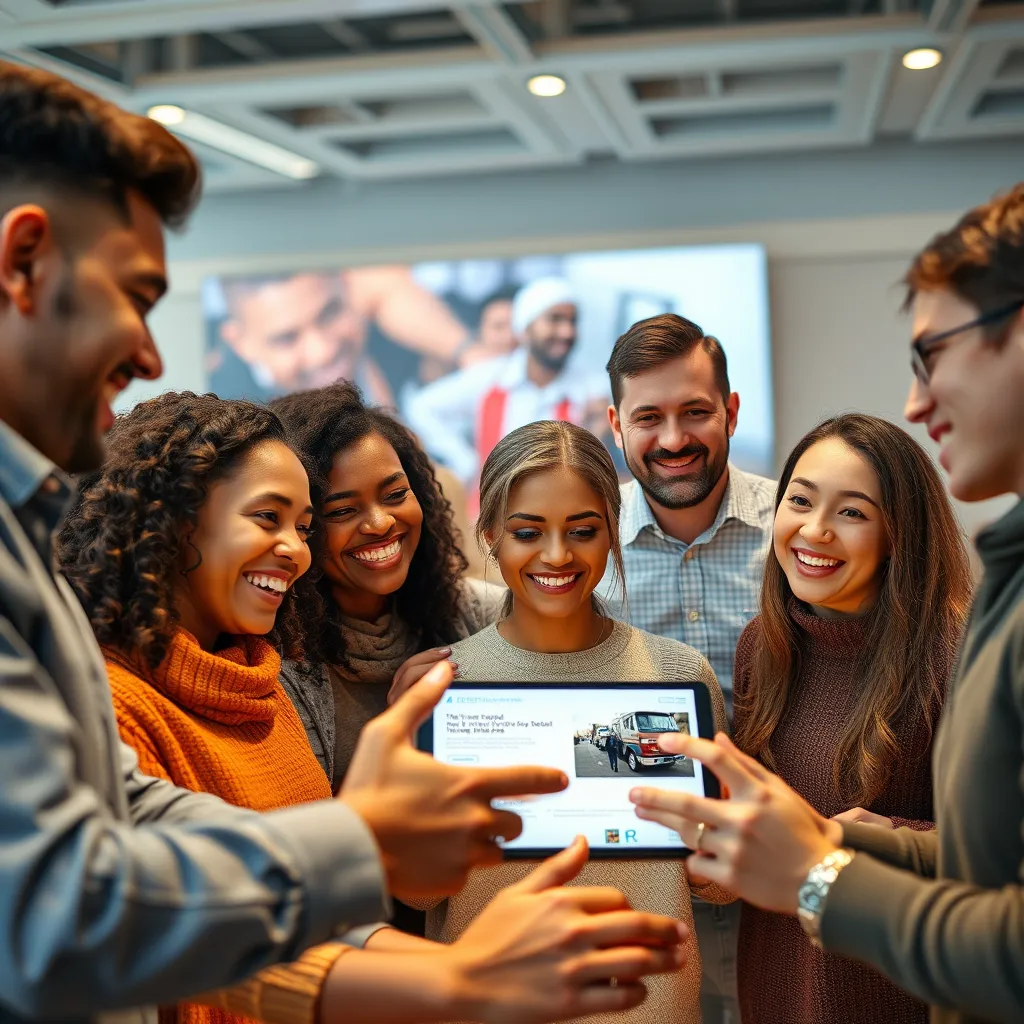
(703, 593)
(118, 890)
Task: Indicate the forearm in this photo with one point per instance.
(391, 940)
(903, 848)
(946, 942)
(367, 987)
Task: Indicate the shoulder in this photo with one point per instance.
(758, 492)
(675, 659)
(745, 647)
(481, 603)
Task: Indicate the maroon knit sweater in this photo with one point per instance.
(783, 979)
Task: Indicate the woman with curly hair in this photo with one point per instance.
(185, 550)
(390, 572)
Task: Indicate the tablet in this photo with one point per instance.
(602, 735)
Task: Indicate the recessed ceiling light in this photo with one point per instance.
(200, 128)
(167, 113)
(922, 59)
(546, 85)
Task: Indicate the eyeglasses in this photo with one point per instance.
(923, 347)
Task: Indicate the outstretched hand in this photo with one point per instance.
(433, 822)
(544, 952)
(759, 842)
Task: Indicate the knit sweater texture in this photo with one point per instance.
(657, 886)
(221, 723)
(783, 979)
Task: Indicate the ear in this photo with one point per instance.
(732, 412)
(26, 245)
(613, 421)
(234, 337)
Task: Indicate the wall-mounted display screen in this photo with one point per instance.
(466, 350)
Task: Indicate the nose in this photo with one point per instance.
(919, 401)
(814, 529)
(292, 545)
(674, 435)
(146, 360)
(377, 521)
(556, 552)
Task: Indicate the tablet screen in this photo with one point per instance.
(603, 736)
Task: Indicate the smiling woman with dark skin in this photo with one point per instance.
(389, 569)
(549, 507)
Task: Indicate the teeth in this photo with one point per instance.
(267, 582)
(379, 554)
(820, 562)
(555, 581)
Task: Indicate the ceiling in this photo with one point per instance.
(374, 89)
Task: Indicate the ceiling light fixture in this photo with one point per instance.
(200, 128)
(922, 58)
(546, 85)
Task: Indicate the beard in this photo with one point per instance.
(553, 361)
(680, 493)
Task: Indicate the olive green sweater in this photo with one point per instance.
(942, 913)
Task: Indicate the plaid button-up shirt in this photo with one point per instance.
(702, 593)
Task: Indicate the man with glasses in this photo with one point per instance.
(940, 913)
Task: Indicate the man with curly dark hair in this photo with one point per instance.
(118, 890)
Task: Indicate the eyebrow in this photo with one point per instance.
(575, 518)
(803, 482)
(278, 499)
(681, 405)
(386, 482)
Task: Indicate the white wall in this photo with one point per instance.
(839, 228)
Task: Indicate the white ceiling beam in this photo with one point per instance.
(246, 45)
(951, 15)
(345, 34)
(115, 20)
(495, 31)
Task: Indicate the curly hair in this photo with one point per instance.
(324, 421)
(121, 544)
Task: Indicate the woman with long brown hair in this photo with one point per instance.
(840, 680)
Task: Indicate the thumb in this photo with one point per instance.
(414, 706)
(557, 870)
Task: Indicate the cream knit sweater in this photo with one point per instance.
(658, 886)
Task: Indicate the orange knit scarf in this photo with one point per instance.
(217, 723)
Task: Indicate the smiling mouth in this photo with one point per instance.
(816, 565)
(269, 586)
(560, 584)
(683, 462)
(380, 556)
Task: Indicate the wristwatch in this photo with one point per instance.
(813, 893)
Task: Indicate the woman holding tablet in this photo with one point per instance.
(185, 550)
(549, 505)
(840, 680)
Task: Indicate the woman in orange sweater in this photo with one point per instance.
(185, 550)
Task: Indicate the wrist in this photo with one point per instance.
(813, 896)
(455, 993)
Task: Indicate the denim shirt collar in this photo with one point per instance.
(25, 474)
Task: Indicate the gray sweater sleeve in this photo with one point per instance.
(947, 942)
(99, 914)
(902, 848)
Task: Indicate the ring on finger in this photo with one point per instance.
(701, 826)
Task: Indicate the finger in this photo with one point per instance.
(601, 998)
(626, 964)
(755, 768)
(413, 708)
(593, 899)
(681, 806)
(557, 870)
(727, 763)
(703, 868)
(412, 670)
(505, 825)
(529, 780)
(633, 928)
